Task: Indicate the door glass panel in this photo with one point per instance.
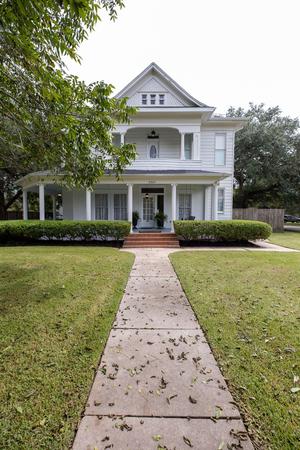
(148, 209)
(101, 206)
(153, 151)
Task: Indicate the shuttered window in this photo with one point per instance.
(185, 206)
(220, 149)
(120, 206)
(101, 206)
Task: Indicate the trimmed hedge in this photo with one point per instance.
(31, 230)
(222, 230)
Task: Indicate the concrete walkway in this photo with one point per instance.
(158, 386)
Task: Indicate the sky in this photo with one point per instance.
(223, 52)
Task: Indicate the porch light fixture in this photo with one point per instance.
(153, 135)
(147, 195)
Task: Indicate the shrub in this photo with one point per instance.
(222, 230)
(19, 230)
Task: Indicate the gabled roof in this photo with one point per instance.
(152, 69)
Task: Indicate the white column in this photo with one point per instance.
(42, 201)
(25, 205)
(182, 156)
(129, 205)
(53, 197)
(215, 202)
(207, 203)
(88, 204)
(122, 135)
(174, 204)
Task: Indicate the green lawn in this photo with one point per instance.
(289, 239)
(249, 307)
(57, 305)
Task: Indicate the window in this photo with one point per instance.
(144, 99)
(161, 99)
(153, 148)
(188, 145)
(185, 206)
(220, 149)
(120, 206)
(221, 200)
(101, 206)
(153, 99)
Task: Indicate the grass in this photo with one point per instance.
(248, 305)
(289, 239)
(57, 305)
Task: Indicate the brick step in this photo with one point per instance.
(151, 239)
(156, 235)
(151, 245)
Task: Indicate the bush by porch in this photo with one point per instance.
(222, 230)
(32, 230)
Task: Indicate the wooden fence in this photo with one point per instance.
(275, 217)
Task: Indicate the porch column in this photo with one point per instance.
(129, 205)
(42, 201)
(174, 189)
(122, 135)
(182, 156)
(207, 203)
(53, 197)
(215, 202)
(88, 204)
(25, 205)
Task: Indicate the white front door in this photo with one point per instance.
(148, 211)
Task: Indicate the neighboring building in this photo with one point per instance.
(184, 165)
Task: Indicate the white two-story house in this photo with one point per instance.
(184, 165)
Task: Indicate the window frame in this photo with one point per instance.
(221, 211)
(152, 99)
(149, 143)
(187, 210)
(144, 99)
(161, 99)
(218, 150)
(120, 208)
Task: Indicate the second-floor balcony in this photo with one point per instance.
(163, 147)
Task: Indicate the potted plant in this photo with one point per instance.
(160, 218)
(135, 219)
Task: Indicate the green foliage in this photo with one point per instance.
(19, 230)
(222, 230)
(49, 119)
(160, 218)
(267, 159)
(57, 308)
(248, 305)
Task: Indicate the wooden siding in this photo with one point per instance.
(207, 152)
(169, 142)
(275, 217)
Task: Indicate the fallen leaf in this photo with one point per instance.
(187, 441)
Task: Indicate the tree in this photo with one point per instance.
(49, 119)
(267, 159)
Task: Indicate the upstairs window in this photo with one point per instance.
(220, 149)
(188, 145)
(144, 99)
(152, 99)
(161, 99)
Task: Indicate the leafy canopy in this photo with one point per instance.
(267, 159)
(49, 119)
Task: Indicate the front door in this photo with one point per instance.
(148, 211)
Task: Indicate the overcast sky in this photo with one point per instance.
(223, 52)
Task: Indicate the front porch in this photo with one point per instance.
(119, 200)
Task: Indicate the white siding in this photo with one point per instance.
(169, 142)
(227, 184)
(208, 148)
